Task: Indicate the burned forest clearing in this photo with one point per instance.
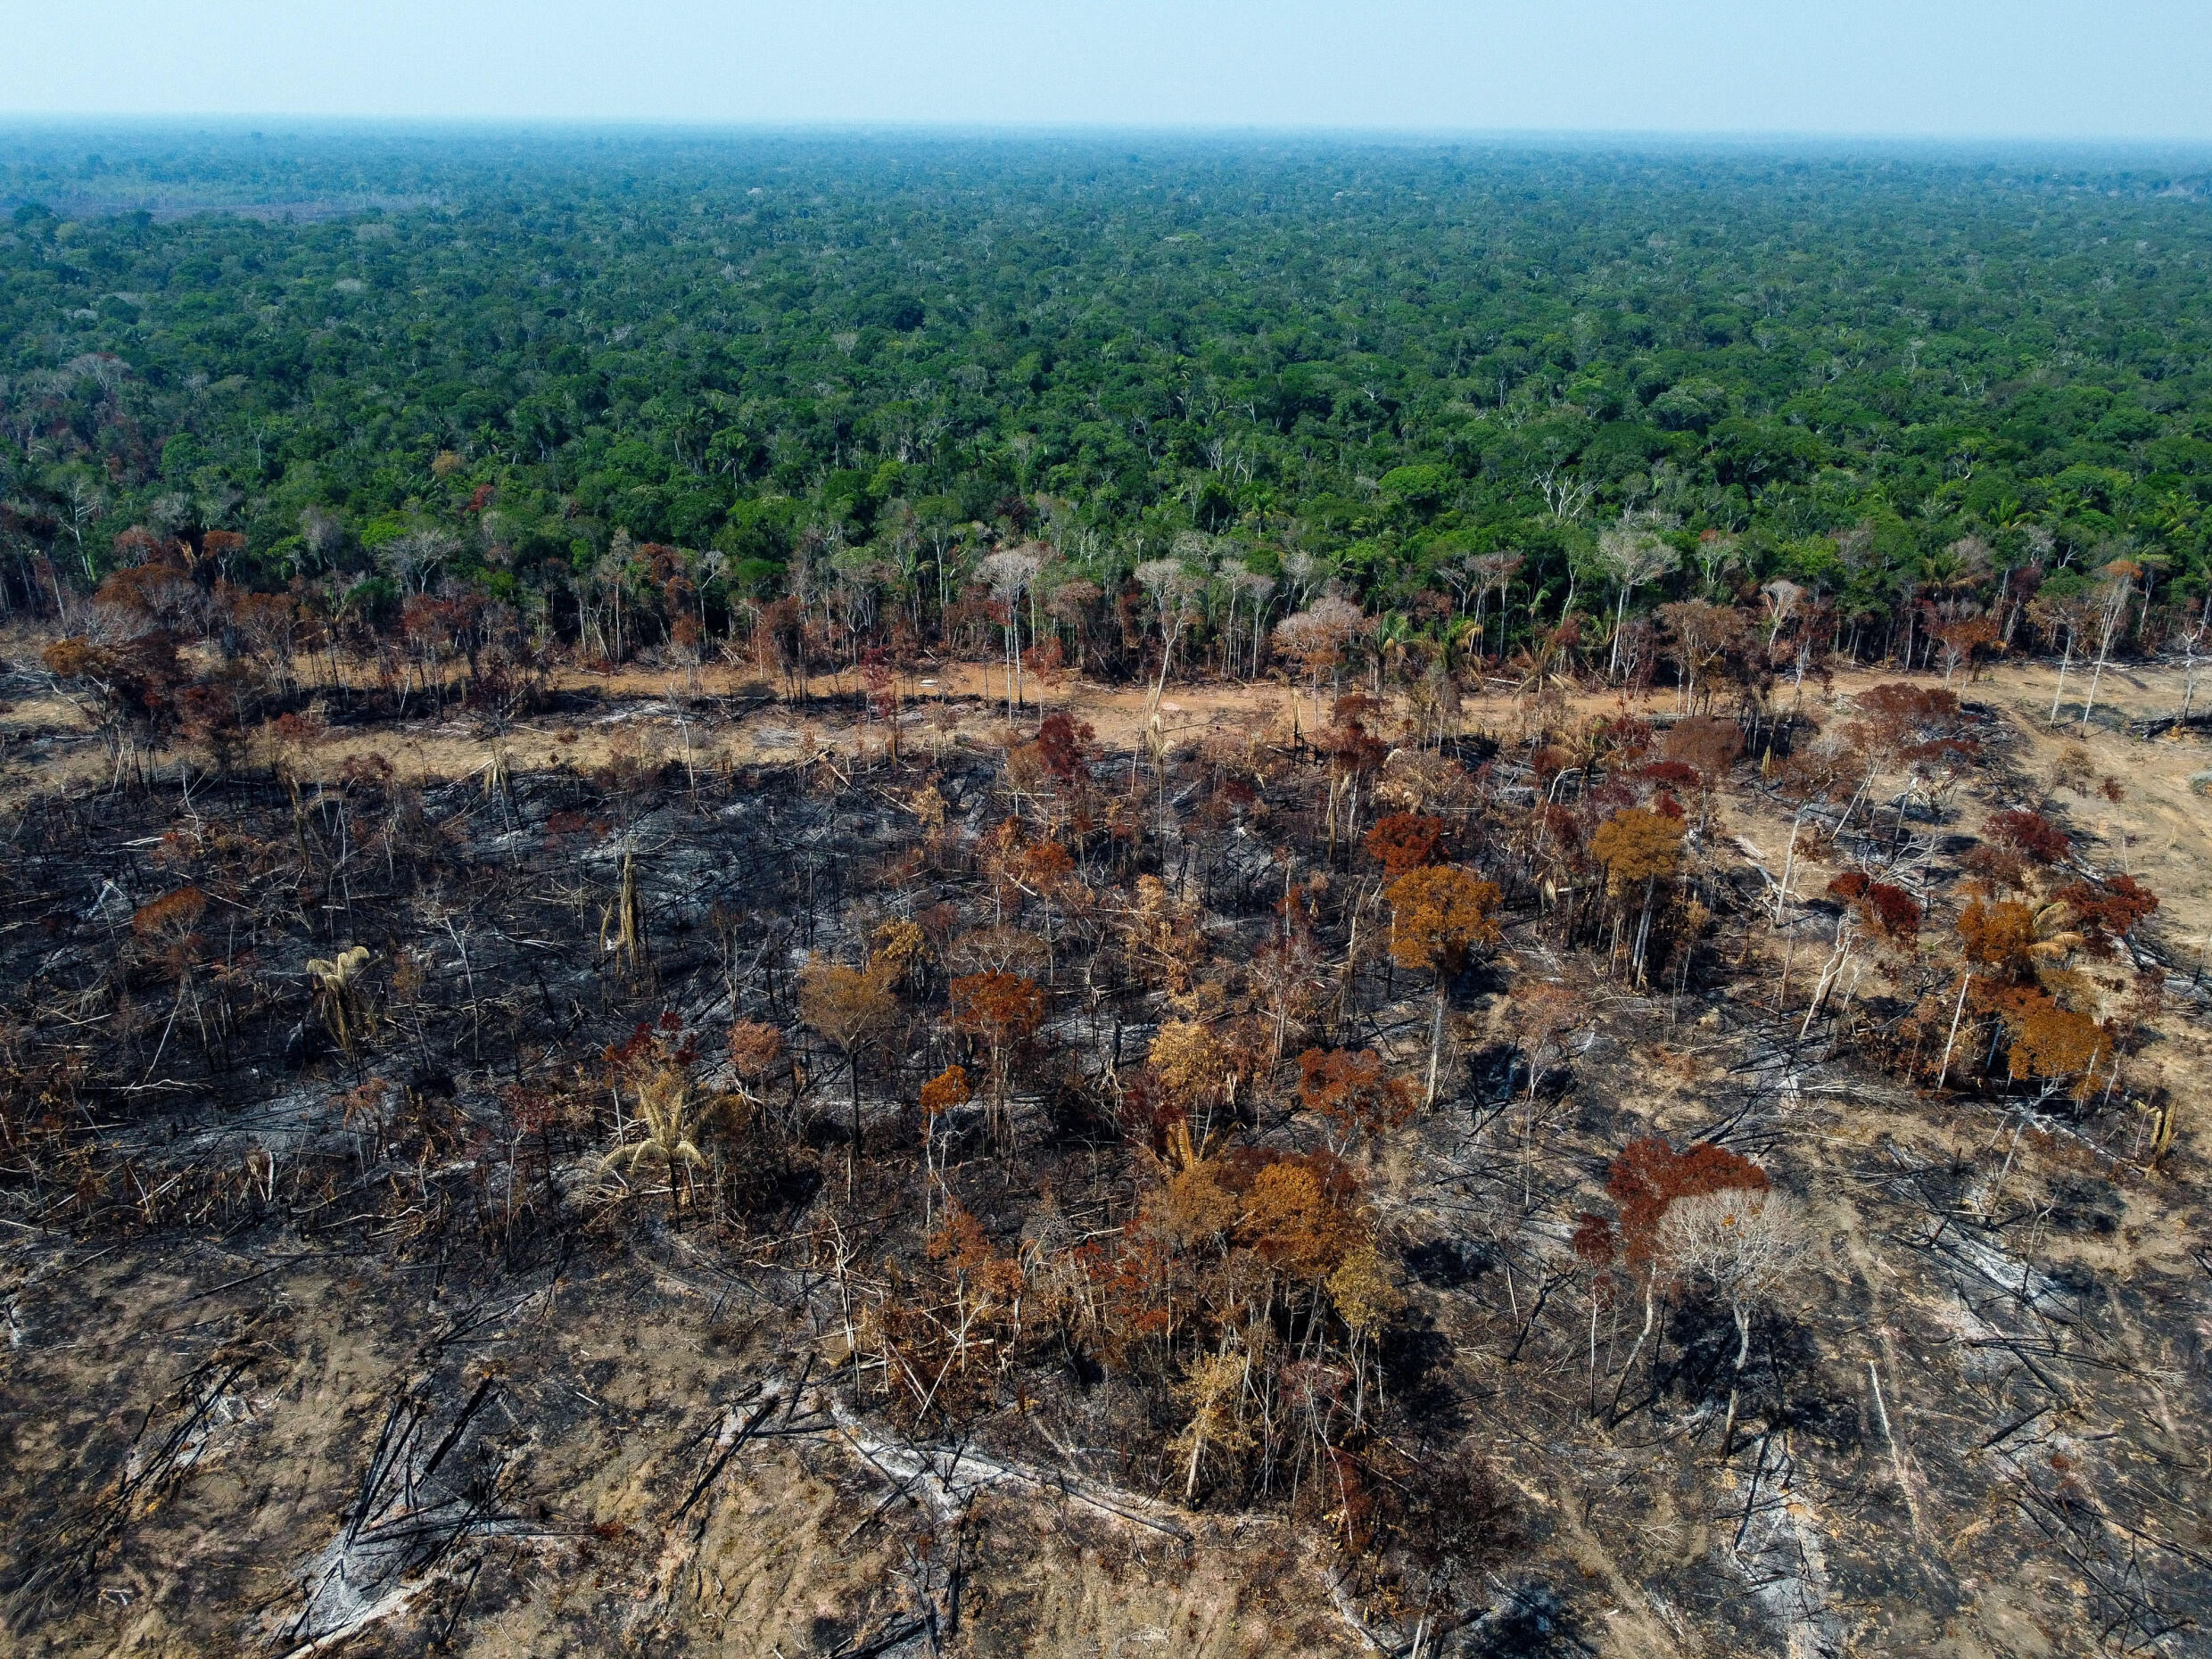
(687, 1163)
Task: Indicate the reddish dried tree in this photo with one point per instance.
(1438, 916)
(1352, 1091)
(1403, 841)
(1001, 1010)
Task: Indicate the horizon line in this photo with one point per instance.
(250, 124)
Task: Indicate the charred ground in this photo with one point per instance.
(436, 1220)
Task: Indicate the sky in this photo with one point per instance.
(1946, 69)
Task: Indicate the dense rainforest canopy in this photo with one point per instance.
(564, 371)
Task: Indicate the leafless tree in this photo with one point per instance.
(2115, 586)
(1632, 553)
(1741, 1241)
(1012, 574)
(414, 560)
(2193, 638)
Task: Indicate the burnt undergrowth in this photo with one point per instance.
(1248, 1132)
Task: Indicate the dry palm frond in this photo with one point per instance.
(343, 971)
(899, 946)
(664, 1103)
(2055, 936)
(341, 993)
(1184, 1151)
(498, 783)
(622, 929)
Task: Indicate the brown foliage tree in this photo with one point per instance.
(1193, 1066)
(2031, 835)
(1543, 1013)
(2107, 913)
(1698, 636)
(172, 917)
(1438, 916)
(1961, 637)
(1000, 1010)
(136, 682)
(1920, 728)
(1355, 755)
(756, 1050)
(1352, 1091)
(1162, 934)
(2050, 1043)
(1638, 846)
(1708, 747)
(1999, 936)
(943, 1093)
(1064, 747)
(1888, 912)
(1403, 841)
(849, 1007)
(948, 1335)
(1649, 1174)
(1647, 1180)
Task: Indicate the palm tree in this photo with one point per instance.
(1462, 636)
(661, 1101)
(340, 996)
(1393, 639)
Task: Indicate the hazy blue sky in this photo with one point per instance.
(2026, 68)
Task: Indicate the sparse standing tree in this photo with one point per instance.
(1637, 844)
(2192, 643)
(1741, 1241)
(1438, 916)
(850, 1007)
(2114, 588)
(1013, 573)
(1633, 553)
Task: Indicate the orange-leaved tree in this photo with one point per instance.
(1403, 841)
(1199, 1070)
(1638, 847)
(2001, 937)
(1000, 1010)
(1352, 1092)
(849, 1007)
(2016, 945)
(2051, 1044)
(1961, 638)
(1438, 916)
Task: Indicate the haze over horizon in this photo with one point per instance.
(2050, 70)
